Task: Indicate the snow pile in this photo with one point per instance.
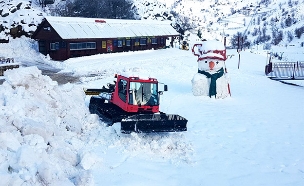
(17, 49)
(23, 49)
(42, 126)
(173, 147)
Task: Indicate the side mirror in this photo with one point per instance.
(165, 87)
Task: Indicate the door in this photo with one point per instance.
(109, 46)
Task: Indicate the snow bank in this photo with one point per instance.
(25, 52)
(42, 129)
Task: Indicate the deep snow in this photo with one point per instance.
(255, 137)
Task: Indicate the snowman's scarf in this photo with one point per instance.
(214, 77)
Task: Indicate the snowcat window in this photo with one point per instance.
(122, 90)
(143, 94)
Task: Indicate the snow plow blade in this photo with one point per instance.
(147, 123)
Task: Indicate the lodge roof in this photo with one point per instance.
(84, 28)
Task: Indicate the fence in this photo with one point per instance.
(285, 70)
(7, 63)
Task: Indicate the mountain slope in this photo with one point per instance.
(218, 19)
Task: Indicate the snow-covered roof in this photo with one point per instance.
(83, 28)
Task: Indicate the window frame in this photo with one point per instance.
(142, 41)
(154, 41)
(128, 42)
(83, 46)
(119, 43)
(54, 46)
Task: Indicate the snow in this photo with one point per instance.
(39, 124)
(48, 136)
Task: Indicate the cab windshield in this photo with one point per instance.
(143, 94)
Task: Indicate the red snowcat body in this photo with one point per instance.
(134, 102)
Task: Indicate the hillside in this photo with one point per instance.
(259, 21)
(265, 21)
(19, 17)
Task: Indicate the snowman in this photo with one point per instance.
(211, 79)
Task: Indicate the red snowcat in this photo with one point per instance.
(134, 102)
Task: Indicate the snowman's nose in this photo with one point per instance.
(211, 65)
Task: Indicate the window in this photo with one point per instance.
(91, 45)
(73, 46)
(119, 43)
(136, 41)
(154, 40)
(122, 90)
(42, 48)
(143, 94)
(128, 42)
(47, 28)
(143, 41)
(115, 43)
(62, 44)
(54, 46)
(83, 46)
(161, 40)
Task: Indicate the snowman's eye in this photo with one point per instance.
(206, 62)
(217, 62)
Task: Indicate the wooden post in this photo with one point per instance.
(239, 60)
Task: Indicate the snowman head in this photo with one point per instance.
(211, 64)
(212, 55)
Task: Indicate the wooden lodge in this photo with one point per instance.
(66, 37)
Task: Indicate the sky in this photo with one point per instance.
(253, 137)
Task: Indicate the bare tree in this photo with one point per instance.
(111, 9)
(182, 24)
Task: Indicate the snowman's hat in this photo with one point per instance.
(212, 49)
(213, 54)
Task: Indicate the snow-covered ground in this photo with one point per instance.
(47, 136)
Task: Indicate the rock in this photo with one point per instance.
(13, 10)
(19, 5)
(5, 15)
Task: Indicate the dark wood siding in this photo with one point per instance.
(46, 32)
